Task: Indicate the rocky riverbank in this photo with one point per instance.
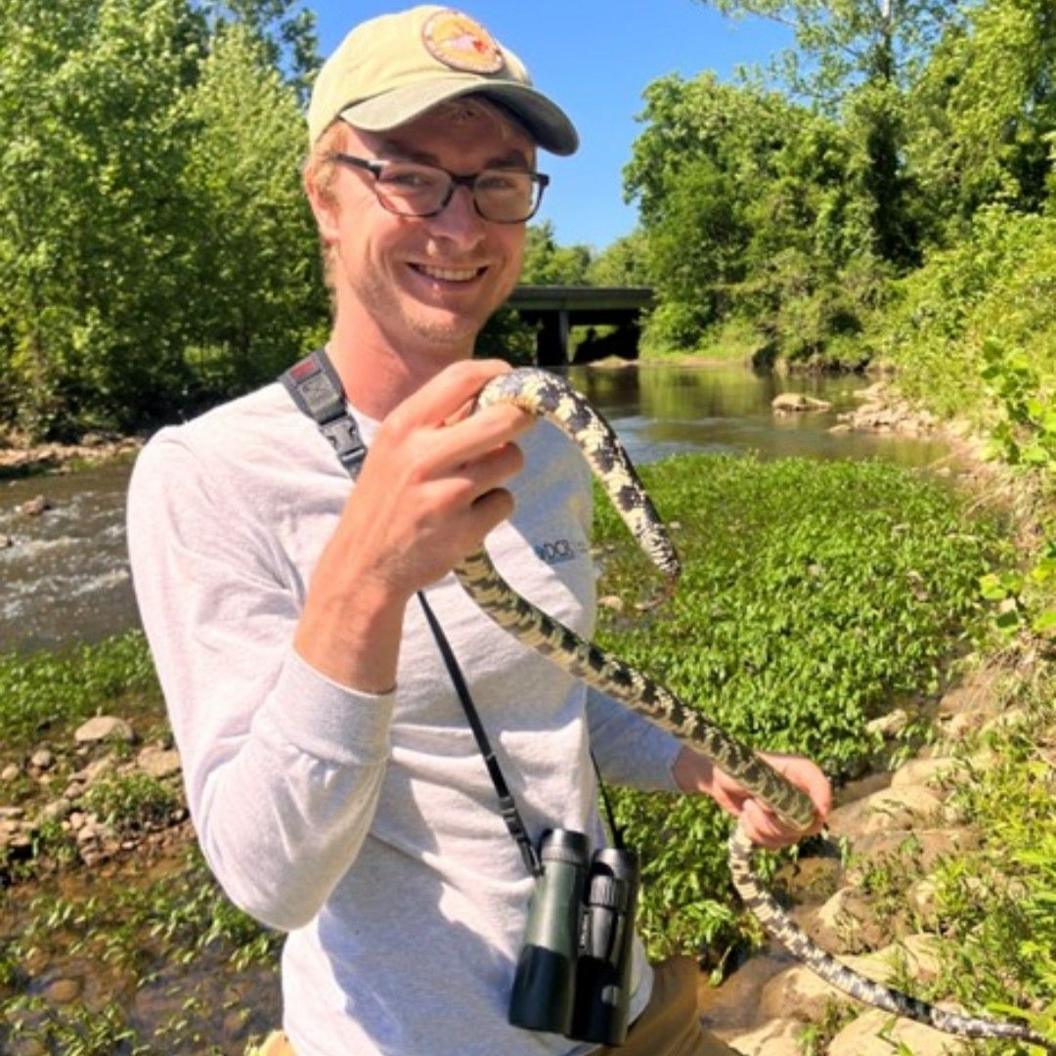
(20, 458)
(874, 906)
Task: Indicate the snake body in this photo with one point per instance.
(551, 397)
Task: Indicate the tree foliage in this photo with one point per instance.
(793, 208)
(148, 209)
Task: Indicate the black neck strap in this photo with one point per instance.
(315, 387)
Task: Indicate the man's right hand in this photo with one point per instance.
(429, 492)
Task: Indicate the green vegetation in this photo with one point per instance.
(813, 596)
(53, 692)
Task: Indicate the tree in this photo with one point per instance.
(985, 115)
(622, 263)
(254, 263)
(287, 36)
(548, 264)
(91, 213)
(858, 58)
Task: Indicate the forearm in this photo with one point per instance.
(283, 818)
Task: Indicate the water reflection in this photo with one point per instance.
(661, 411)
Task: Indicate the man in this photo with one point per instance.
(337, 791)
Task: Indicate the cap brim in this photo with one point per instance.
(547, 123)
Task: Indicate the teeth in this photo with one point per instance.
(448, 274)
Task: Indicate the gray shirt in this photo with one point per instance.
(366, 825)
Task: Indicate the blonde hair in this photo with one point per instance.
(320, 173)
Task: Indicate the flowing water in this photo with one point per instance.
(65, 574)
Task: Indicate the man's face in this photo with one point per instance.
(428, 284)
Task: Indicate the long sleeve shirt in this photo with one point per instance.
(366, 825)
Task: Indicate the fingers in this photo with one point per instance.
(762, 825)
(448, 394)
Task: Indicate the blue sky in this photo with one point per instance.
(594, 57)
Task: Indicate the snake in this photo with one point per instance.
(549, 396)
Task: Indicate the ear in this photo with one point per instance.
(324, 206)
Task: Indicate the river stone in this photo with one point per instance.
(104, 728)
(11, 813)
(159, 762)
(10, 772)
(795, 402)
(801, 989)
(925, 771)
(42, 759)
(35, 506)
(6, 542)
(62, 991)
(890, 809)
(837, 924)
(889, 725)
(863, 1037)
(56, 810)
(777, 1037)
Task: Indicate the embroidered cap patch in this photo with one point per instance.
(461, 42)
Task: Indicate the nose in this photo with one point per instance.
(459, 222)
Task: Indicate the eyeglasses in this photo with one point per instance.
(504, 196)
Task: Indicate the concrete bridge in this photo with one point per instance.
(559, 308)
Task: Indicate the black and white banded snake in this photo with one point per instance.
(551, 397)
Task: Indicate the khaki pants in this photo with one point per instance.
(669, 1026)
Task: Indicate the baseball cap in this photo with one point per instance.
(392, 68)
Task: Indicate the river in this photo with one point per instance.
(65, 575)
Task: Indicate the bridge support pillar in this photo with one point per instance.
(551, 343)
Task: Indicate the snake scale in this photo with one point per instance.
(551, 397)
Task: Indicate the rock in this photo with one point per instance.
(871, 393)
(796, 402)
(878, 1033)
(611, 601)
(839, 430)
(62, 991)
(11, 813)
(76, 820)
(56, 810)
(104, 728)
(777, 1037)
(10, 772)
(924, 846)
(801, 989)
(6, 542)
(159, 762)
(922, 897)
(94, 770)
(925, 771)
(34, 507)
(889, 725)
(42, 759)
(837, 923)
(890, 809)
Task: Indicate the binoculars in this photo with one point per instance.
(574, 970)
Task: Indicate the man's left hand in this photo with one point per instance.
(695, 773)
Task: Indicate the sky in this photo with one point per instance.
(594, 58)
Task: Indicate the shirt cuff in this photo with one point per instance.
(325, 719)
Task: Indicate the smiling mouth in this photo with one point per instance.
(449, 274)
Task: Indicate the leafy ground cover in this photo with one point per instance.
(814, 596)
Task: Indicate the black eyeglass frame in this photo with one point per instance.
(376, 167)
